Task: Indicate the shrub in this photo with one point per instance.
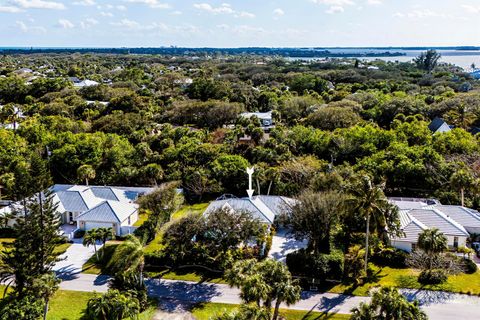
(7, 233)
(469, 266)
(322, 266)
(390, 257)
(78, 233)
(435, 276)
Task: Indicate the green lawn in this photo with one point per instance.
(208, 310)
(141, 219)
(61, 248)
(407, 278)
(185, 275)
(92, 266)
(70, 305)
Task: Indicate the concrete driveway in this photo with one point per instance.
(73, 259)
(283, 244)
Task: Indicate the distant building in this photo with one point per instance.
(265, 118)
(77, 83)
(417, 215)
(439, 125)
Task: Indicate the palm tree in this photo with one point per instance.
(288, 293)
(461, 180)
(46, 285)
(433, 242)
(369, 201)
(128, 257)
(86, 172)
(388, 303)
(91, 237)
(103, 234)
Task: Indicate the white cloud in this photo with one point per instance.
(151, 3)
(420, 14)
(39, 4)
(244, 14)
(374, 2)
(65, 24)
(85, 3)
(334, 6)
(88, 23)
(126, 23)
(176, 13)
(334, 2)
(121, 8)
(278, 12)
(10, 9)
(471, 9)
(335, 9)
(106, 14)
(30, 29)
(224, 8)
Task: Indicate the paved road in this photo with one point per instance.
(178, 295)
(73, 259)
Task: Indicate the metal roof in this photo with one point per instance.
(464, 216)
(109, 211)
(264, 208)
(433, 218)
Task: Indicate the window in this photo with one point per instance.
(129, 220)
(455, 242)
(414, 246)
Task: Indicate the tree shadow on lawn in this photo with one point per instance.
(187, 273)
(181, 295)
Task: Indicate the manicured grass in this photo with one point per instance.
(208, 310)
(92, 266)
(198, 208)
(185, 275)
(141, 219)
(407, 278)
(68, 304)
(61, 248)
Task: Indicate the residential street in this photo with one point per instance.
(178, 295)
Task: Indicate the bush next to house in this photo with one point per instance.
(434, 276)
(321, 266)
(469, 266)
(390, 257)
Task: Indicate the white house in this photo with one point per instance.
(265, 118)
(90, 207)
(263, 208)
(416, 215)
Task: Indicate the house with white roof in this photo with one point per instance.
(263, 208)
(266, 119)
(417, 215)
(90, 207)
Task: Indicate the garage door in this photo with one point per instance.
(93, 225)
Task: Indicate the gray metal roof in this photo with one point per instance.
(433, 218)
(277, 204)
(464, 216)
(109, 211)
(255, 206)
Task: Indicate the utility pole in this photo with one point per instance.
(250, 189)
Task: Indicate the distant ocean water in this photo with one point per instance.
(461, 58)
(454, 55)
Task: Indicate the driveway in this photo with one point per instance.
(283, 244)
(73, 259)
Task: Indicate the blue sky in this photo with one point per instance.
(236, 23)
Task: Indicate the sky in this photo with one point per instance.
(239, 23)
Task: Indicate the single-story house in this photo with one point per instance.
(416, 215)
(90, 207)
(263, 208)
(265, 118)
(85, 83)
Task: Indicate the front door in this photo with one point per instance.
(70, 217)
